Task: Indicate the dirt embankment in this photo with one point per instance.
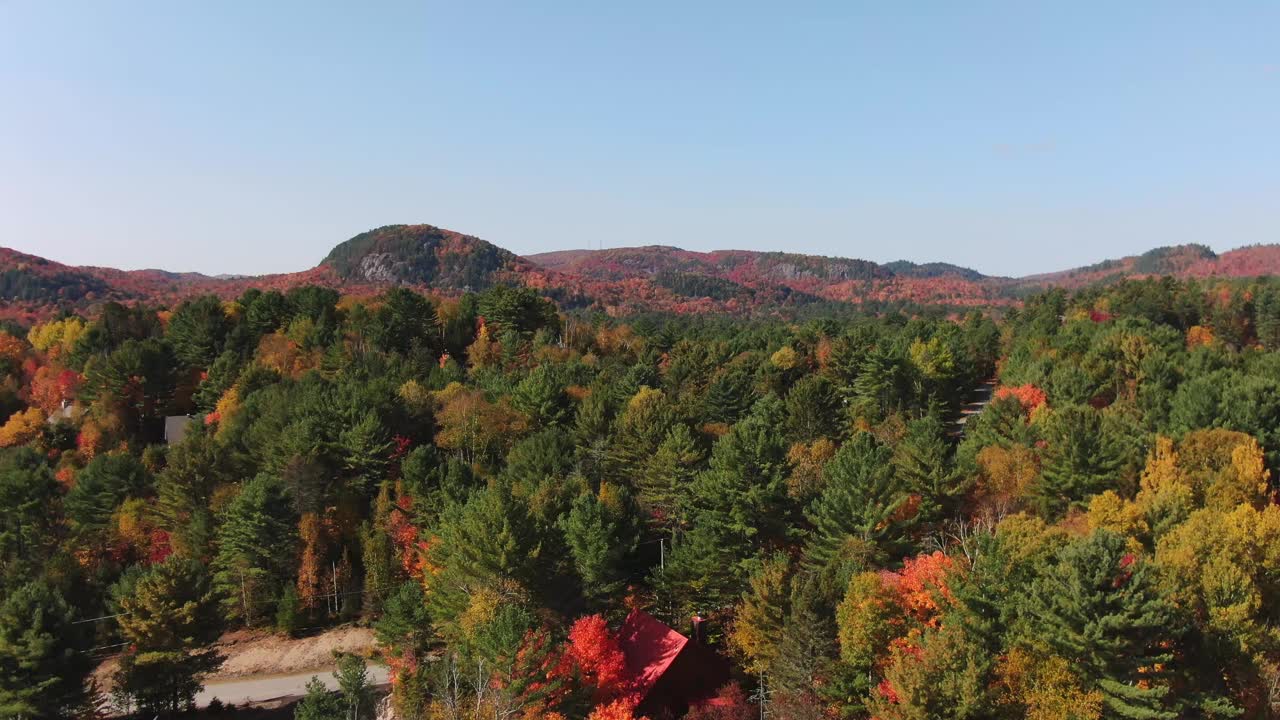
(257, 653)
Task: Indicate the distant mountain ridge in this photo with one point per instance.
(616, 280)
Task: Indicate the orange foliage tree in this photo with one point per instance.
(1030, 396)
(51, 386)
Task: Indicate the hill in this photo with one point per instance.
(618, 281)
(424, 255)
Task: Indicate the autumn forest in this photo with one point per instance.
(1057, 503)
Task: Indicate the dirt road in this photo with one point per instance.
(263, 688)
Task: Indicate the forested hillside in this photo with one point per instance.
(619, 282)
(495, 482)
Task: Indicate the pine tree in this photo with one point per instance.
(922, 462)
(701, 574)
(640, 429)
(185, 492)
(100, 488)
(541, 397)
(319, 703)
(730, 395)
(253, 557)
(488, 541)
(742, 496)
(880, 382)
(594, 535)
(406, 321)
(858, 516)
(813, 409)
(27, 491)
(197, 331)
(591, 427)
(220, 378)
(353, 681)
(667, 476)
(44, 658)
(169, 621)
(381, 571)
(1099, 608)
(1081, 459)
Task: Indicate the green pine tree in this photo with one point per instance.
(855, 518)
(43, 657)
(922, 461)
(169, 621)
(1100, 608)
(668, 475)
(319, 703)
(599, 542)
(1081, 459)
(253, 557)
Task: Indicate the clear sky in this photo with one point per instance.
(248, 137)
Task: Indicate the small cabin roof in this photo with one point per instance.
(650, 647)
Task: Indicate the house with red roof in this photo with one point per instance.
(670, 671)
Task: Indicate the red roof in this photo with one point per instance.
(650, 647)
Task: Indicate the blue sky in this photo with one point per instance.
(1011, 137)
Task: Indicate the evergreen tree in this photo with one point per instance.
(813, 409)
(220, 378)
(135, 384)
(701, 574)
(27, 491)
(197, 330)
(407, 321)
(404, 629)
(640, 429)
(541, 397)
(100, 488)
(879, 386)
(353, 681)
(591, 426)
(169, 621)
(923, 464)
(730, 394)
(1098, 607)
(253, 559)
(597, 538)
(1080, 460)
(319, 703)
(489, 541)
(858, 516)
(381, 571)
(44, 657)
(667, 476)
(742, 496)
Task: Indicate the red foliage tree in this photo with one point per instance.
(598, 654)
(730, 703)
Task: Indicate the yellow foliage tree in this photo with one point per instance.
(22, 427)
(1044, 688)
(56, 335)
(1199, 336)
(786, 358)
(756, 632)
(1220, 564)
(807, 460)
(1006, 477)
(1213, 468)
(473, 426)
